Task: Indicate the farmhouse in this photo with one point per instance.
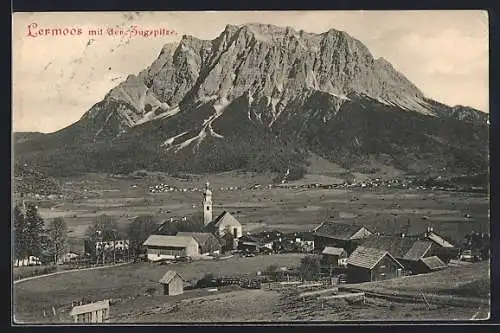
(173, 283)
(207, 242)
(225, 223)
(169, 247)
(333, 256)
(97, 312)
(342, 235)
(368, 264)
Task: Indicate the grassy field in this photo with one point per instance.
(32, 297)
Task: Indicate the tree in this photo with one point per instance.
(310, 267)
(34, 231)
(20, 235)
(58, 233)
(139, 230)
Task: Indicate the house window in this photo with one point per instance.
(382, 266)
(208, 208)
(235, 232)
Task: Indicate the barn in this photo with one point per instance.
(333, 256)
(207, 242)
(429, 264)
(173, 283)
(341, 235)
(369, 264)
(169, 247)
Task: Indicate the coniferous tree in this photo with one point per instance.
(20, 235)
(34, 231)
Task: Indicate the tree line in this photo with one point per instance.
(50, 243)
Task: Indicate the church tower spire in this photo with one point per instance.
(207, 204)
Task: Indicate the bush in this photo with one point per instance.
(25, 272)
(310, 267)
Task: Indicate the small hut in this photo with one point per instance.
(97, 312)
(173, 283)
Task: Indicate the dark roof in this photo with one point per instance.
(418, 250)
(207, 241)
(337, 230)
(433, 263)
(396, 245)
(169, 275)
(333, 251)
(225, 217)
(367, 257)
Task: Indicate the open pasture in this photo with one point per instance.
(384, 210)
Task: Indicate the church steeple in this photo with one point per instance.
(207, 204)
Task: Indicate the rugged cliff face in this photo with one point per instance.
(265, 93)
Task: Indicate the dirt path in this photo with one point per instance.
(68, 271)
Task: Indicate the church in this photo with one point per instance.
(224, 223)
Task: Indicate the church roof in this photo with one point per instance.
(224, 219)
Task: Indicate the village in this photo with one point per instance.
(336, 253)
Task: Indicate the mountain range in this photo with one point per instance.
(262, 98)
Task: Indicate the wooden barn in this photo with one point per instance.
(97, 312)
(208, 243)
(368, 264)
(429, 264)
(169, 247)
(341, 235)
(173, 283)
(333, 256)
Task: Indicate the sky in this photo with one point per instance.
(56, 79)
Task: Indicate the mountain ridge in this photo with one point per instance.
(282, 84)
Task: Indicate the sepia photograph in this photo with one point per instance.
(262, 167)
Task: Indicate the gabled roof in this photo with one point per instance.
(206, 240)
(368, 257)
(433, 263)
(439, 240)
(86, 308)
(396, 245)
(333, 251)
(418, 250)
(169, 241)
(169, 275)
(224, 218)
(337, 230)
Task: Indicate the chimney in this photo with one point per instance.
(171, 219)
(402, 235)
(184, 218)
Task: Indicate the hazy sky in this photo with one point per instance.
(56, 79)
